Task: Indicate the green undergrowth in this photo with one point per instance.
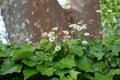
(96, 60)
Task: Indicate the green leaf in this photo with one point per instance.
(4, 54)
(41, 55)
(72, 42)
(84, 63)
(46, 71)
(77, 50)
(29, 62)
(115, 50)
(118, 62)
(63, 78)
(28, 72)
(55, 78)
(114, 72)
(21, 55)
(61, 72)
(74, 74)
(99, 76)
(10, 67)
(24, 52)
(67, 62)
(97, 51)
(43, 41)
(99, 66)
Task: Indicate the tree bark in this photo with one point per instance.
(26, 19)
(85, 11)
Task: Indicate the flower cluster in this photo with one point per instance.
(78, 27)
(56, 35)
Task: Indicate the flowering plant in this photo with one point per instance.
(63, 55)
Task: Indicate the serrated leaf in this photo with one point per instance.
(28, 72)
(10, 67)
(45, 71)
(67, 62)
(84, 63)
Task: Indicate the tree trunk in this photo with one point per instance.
(85, 11)
(26, 19)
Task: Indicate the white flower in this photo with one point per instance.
(57, 48)
(72, 25)
(52, 39)
(27, 39)
(79, 28)
(98, 11)
(55, 28)
(75, 26)
(109, 10)
(50, 34)
(86, 34)
(84, 42)
(44, 34)
(65, 32)
(84, 26)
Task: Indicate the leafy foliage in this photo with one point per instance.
(95, 60)
(70, 59)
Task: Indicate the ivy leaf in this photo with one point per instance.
(28, 72)
(67, 62)
(10, 67)
(45, 71)
(77, 50)
(84, 63)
